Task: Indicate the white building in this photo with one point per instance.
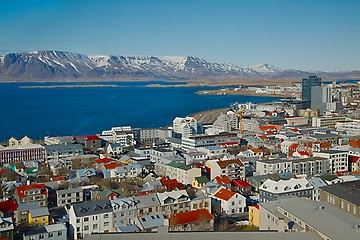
(338, 160)
(233, 168)
(123, 135)
(174, 202)
(186, 127)
(124, 209)
(90, 217)
(231, 202)
(350, 128)
(182, 173)
(272, 190)
(68, 196)
(193, 142)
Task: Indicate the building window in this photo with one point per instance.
(95, 226)
(59, 233)
(41, 236)
(106, 215)
(51, 235)
(106, 224)
(86, 219)
(86, 227)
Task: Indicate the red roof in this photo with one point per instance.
(294, 146)
(271, 127)
(263, 137)
(110, 165)
(257, 206)
(104, 160)
(8, 206)
(241, 183)
(171, 184)
(354, 143)
(225, 194)
(223, 164)
(58, 178)
(304, 153)
(256, 150)
(21, 189)
(222, 180)
(191, 217)
(198, 165)
(354, 159)
(92, 138)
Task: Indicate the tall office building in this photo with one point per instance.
(307, 84)
(320, 99)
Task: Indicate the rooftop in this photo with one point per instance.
(350, 191)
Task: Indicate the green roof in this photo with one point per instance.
(202, 179)
(329, 177)
(179, 165)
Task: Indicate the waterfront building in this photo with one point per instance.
(193, 142)
(22, 153)
(185, 127)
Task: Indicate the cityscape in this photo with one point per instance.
(166, 120)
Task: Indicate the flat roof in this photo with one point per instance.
(349, 191)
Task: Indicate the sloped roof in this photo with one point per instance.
(225, 194)
(222, 180)
(191, 216)
(171, 184)
(241, 183)
(8, 206)
(21, 189)
(224, 164)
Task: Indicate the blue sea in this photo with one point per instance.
(37, 112)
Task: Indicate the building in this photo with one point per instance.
(124, 209)
(197, 220)
(307, 84)
(327, 121)
(32, 193)
(56, 151)
(272, 190)
(6, 228)
(68, 196)
(182, 173)
(321, 98)
(39, 216)
(153, 135)
(123, 135)
(90, 217)
(254, 215)
(230, 202)
(22, 153)
(309, 166)
(191, 143)
(174, 202)
(147, 204)
(56, 231)
(351, 129)
(338, 160)
(345, 196)
(185, 127)
(233, 168)
(304, 215)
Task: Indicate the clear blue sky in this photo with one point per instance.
(299, 34)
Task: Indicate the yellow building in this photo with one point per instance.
(254, 215)
(199, 182)
(39, 216)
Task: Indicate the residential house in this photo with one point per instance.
(254, 215)
(21, 215)
(230, 201)
(200, 182)
(68, 196)
(86, 172)
(90, 217)
(174, 202)
(56, 231)
(233, 168)
(241, 186)
(39, 216)
(196, 220)
(6, 228)
(317, 183)
(150, 222)
(32, 193)
(147, 204)
(93, 143)
(182, 173)
(124, 209)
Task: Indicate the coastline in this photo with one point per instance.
(72, 86)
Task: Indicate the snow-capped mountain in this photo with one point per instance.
(59, 65)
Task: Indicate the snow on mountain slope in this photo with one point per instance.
(265, 68)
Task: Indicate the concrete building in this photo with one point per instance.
(56, 151)
(182, 173)
(174, 202)
(327, 121)
(124, 209)
(304, 215)
(56, 231)
(32, 193)
(345, 196)
(338, 160)
(233, 168)
(272, 190)
(320, 98)
(69, 196)
(185, 127)
(351, 129)
(90, 217)
(22, 153)
(230, 202)
(193, 142)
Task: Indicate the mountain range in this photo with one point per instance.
(60, 65)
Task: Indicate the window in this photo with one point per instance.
(95, 226)
(78, 229)
(106, 215)
(59, 233)
(86, 219)
(51, 235)
(86, 227)
(41, 236)
(106, 224)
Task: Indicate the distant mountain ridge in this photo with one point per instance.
(60, 65)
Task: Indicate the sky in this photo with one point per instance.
(303, 34)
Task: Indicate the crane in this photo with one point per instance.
(240, 114)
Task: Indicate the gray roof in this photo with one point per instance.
(349, 191)
(150, 200)
(295, 160)
(64, 148)
(325, 135)
(322, 216)
(55, 227)
(39, 212)
(151, 221)
(91, 208)
(262, 235)
(34, 231)
(28, 206)
(126, 229)
(317, 182)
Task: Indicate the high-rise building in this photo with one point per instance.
(320, 98)
(307, 84)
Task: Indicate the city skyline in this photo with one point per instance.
(304, 35)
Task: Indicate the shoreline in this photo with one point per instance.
(72, 86)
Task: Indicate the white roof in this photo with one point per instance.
(282, 186)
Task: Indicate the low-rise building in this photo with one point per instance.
(272, 190)
(68, 196)
(90, 217)
(32, 193)
(338, 160)
(174, 202)
(22, 153)
(57, 151)
(197, 220)
(230, 201)
(39, 216)
(233, 168)
(182, 173)
(191, 143)
(56, 231)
